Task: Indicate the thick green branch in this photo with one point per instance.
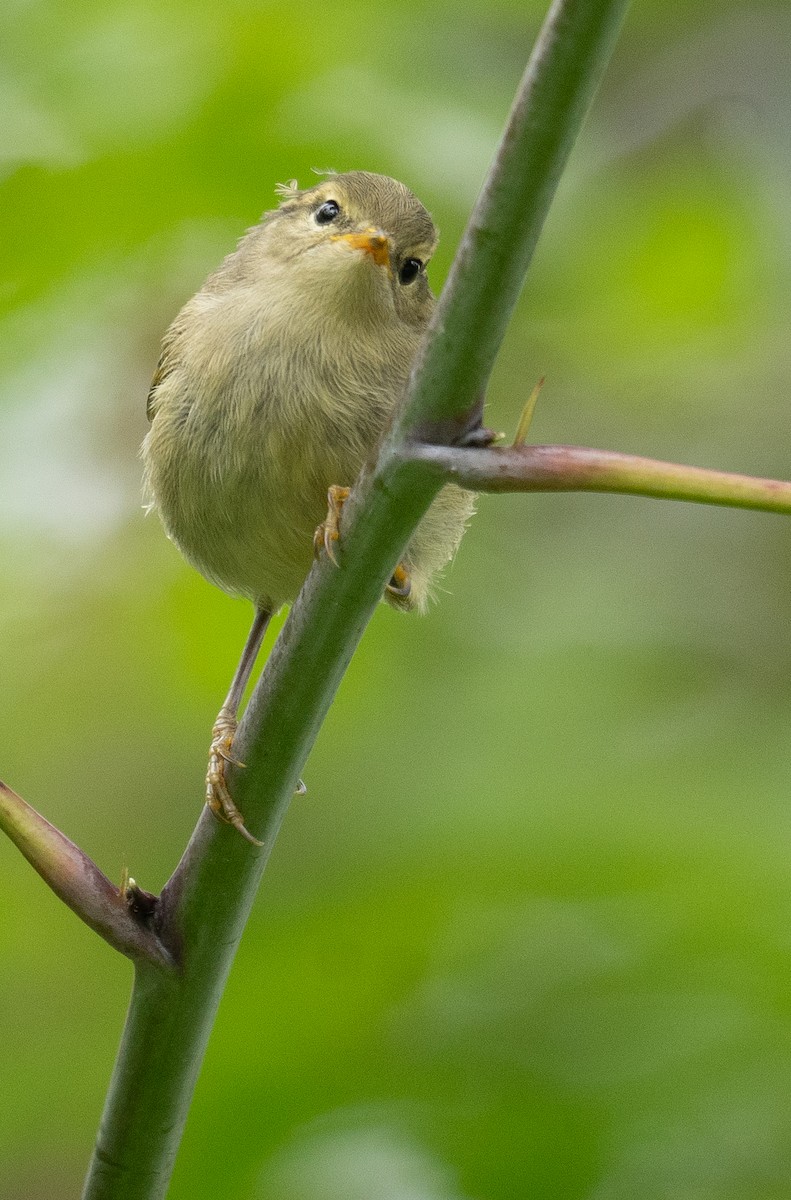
(580, 469)
(488, 271)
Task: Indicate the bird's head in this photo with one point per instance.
(361, 240)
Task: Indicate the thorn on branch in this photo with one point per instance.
(526, 419)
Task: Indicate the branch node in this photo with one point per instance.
(479, 438)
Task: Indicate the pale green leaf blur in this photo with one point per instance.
(529, 932)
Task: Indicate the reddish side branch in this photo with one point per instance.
(579, 468)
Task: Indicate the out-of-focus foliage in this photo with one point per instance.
(528, 932)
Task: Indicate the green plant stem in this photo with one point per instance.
(569, 58)
(580, 469)
(203, 908)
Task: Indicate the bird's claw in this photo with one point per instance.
(218, 796)
(400, 584)
(329, 531)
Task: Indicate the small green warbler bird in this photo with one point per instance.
(275, 384)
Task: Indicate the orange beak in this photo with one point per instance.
(372, 242)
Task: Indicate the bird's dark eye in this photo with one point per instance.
(410, 270)
(327, 212)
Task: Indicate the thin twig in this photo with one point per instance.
(581, 469)
(114, 913)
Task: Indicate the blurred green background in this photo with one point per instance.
(529, 933)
